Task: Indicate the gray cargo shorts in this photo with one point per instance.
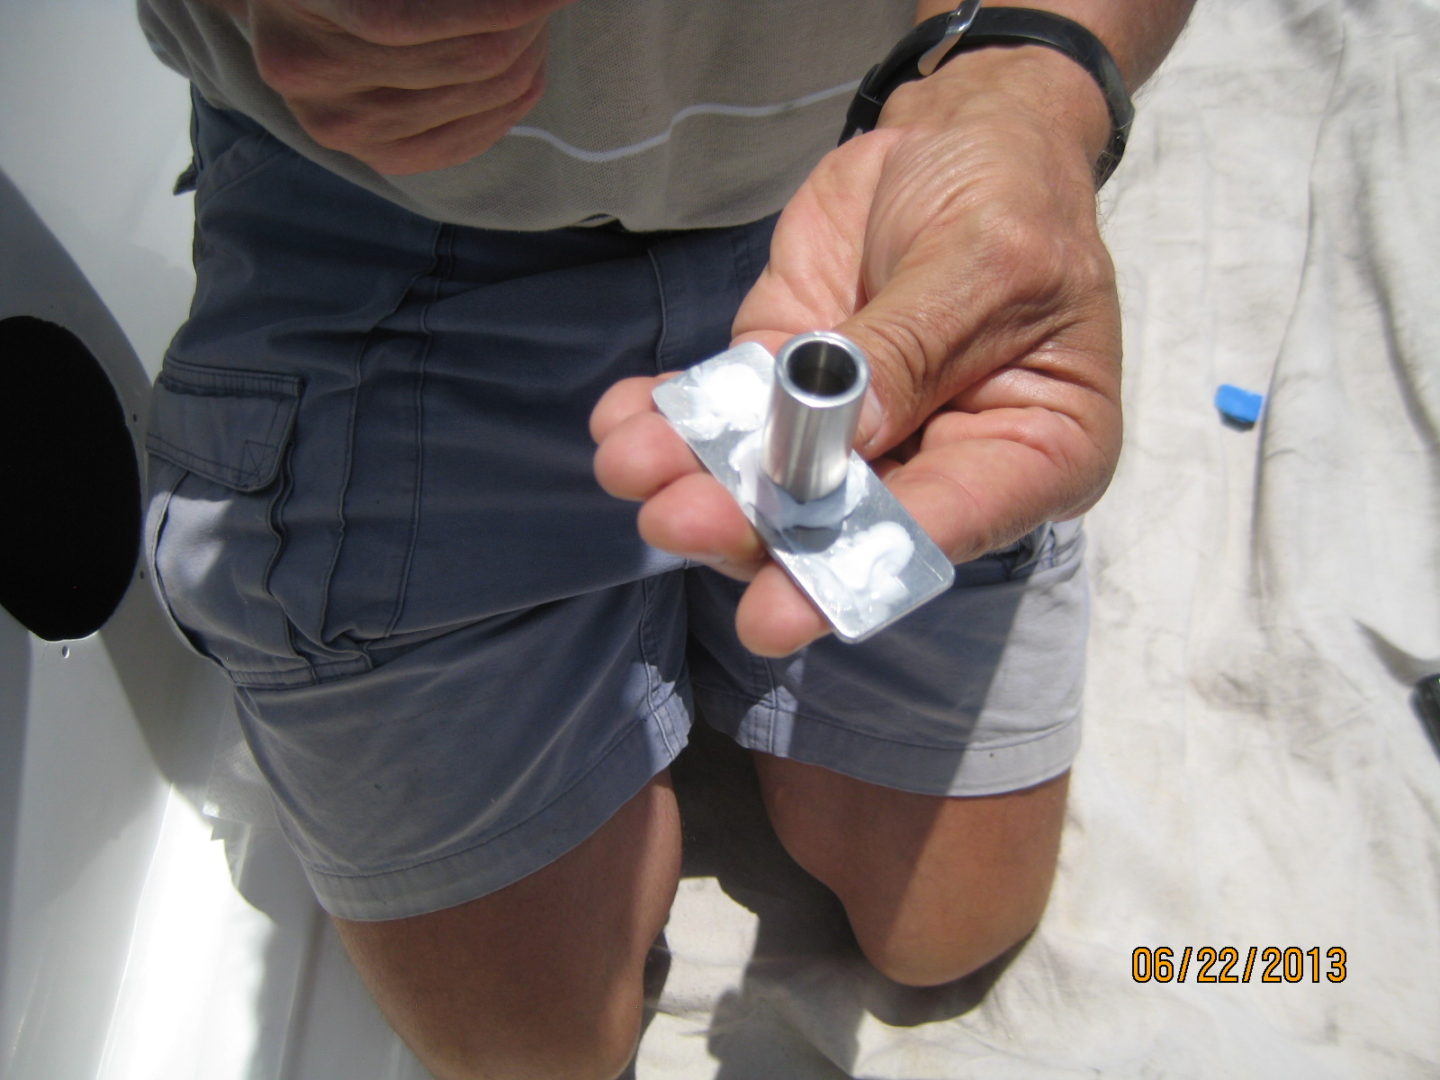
(371, 502)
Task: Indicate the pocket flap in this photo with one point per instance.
(228, 425)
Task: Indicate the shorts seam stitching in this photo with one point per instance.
(772, 711)
(315, 672)
(652, 680)
(664, 306)
(443, 238)
(172, 451)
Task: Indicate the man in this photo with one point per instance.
(424, 253)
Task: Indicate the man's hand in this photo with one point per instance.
(957, 245)
(405, 86)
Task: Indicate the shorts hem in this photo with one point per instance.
(978, 768)
(616, 777)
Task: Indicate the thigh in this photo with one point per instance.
(934, 886)
(921, 775)
(543, 978)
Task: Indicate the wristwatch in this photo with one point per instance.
(943, 37)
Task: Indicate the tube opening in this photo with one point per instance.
(822, 368)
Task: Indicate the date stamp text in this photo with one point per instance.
(1237, 964)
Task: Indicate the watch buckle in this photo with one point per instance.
(958, 22)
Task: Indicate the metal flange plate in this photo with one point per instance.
(873, 565)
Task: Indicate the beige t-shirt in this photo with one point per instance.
(661, 114)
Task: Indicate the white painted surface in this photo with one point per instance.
(1253, 773)
(110, 887)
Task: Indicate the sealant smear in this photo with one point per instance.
(726, 397)
(865, 567)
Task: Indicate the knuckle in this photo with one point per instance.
(489, 55)
(509, 14)
(336, 128)
(511, 84)
(1021, 251)
(1092, 267)
(416, 22)
(421, 153)
(910, 352)
(290, 69)
(384, 22)
(1034, 258)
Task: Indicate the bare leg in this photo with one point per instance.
(540, 979)
(934, 887)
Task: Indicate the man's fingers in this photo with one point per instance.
(382, 124)
(637, 451)
(620, 402)
(640, 456)
(981, 481)
(418, 22)
(401, 85)
(696, 517)
(301, 61)
(774, 617)
(687, 511)
(445, 146)
(975, 481)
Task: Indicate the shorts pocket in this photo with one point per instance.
(227, 425)
(218, 440)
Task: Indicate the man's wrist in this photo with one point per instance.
(1137, 33)
(1116, 43)
(1030, 79)
(947, 39)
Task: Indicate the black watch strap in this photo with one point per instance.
(973, 26)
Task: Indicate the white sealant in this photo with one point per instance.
(869, 563)
(745, 460)
(726, 397)
(872, 560)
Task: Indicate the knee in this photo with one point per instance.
(934, 887)
(925, 961)
(565, 1048)
(938, 929)
(936, 939)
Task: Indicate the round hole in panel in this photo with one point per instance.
(69, 483)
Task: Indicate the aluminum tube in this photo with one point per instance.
(820, 382)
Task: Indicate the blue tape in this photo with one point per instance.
(1239, 405)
